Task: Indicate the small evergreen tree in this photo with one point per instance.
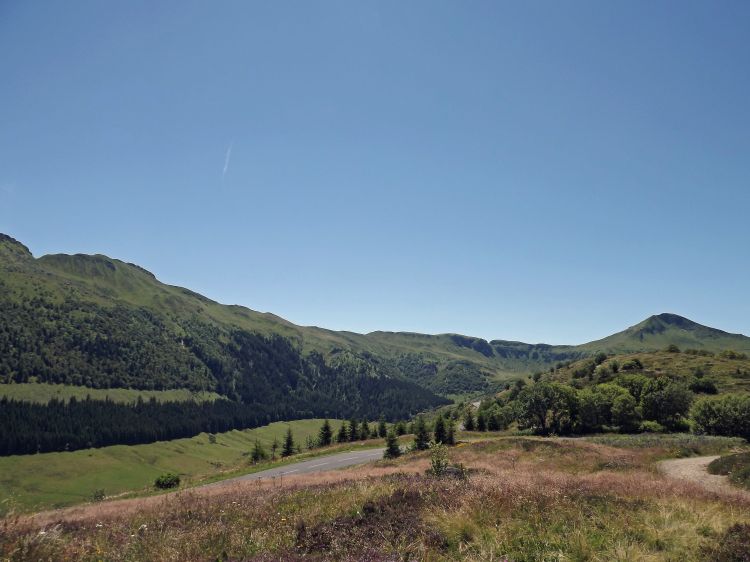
(439, 431)
(343, 435)
(288, 448)
(274, 448)
(481, 421)
(325, 435)
(400, 428)
(353, 433)
(450, 432)
(364, 430)
(469, 421)
(392, 450)
(382, 429)
(258, 453)
(421, 436)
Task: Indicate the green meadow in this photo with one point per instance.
(42, 393)
(51, 480)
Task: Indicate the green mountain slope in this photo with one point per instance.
(719, 373)
(657, 332)
(100, 322)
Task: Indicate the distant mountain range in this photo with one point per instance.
(97, 321)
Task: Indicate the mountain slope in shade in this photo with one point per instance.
(98, 321)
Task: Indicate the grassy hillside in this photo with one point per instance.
(729, 375)
(96, 322)
(33, 482)
(43, 393)
(88, 315)
(657, 332)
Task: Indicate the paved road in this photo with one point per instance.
(319, 464)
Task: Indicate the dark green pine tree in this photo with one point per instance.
(325, 435)
(343, 435)
(439, 431)
(382, 429)
(353, 432)
(259, 453)
(392, 450)
(481, 421)
(364, 430)
(400, 428)
(421, 435)
(469, 421)
(450, 432)
(288, 448)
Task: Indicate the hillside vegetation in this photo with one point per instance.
(99, 323)
(520, 499)
(42, 393)
(726, 371)
(50, 480)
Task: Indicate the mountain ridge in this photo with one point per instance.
(447, 363)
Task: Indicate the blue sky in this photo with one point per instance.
(540, 171)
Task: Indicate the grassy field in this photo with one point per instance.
(33, 482)
(523, 500)
(43, 393)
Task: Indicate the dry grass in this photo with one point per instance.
(524, 499)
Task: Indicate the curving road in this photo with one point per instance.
(319, 464)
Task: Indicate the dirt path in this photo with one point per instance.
(695, 469)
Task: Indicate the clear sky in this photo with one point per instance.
(540, 171)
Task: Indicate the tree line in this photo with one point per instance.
(78, 424)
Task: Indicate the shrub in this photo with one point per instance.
(167, 481)
(703, 386)
(98, 495)
(438, 459)
(700, 352)
(731, 354)
(650, 427)
(723, 415)
(632, 365)
(732, 546)
(672, 348)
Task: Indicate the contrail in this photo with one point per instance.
(226, 160)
